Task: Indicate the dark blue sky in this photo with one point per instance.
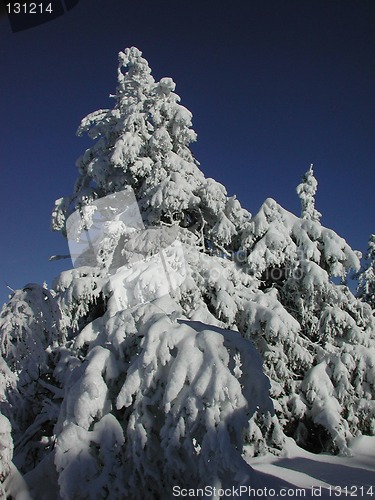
(273, 85)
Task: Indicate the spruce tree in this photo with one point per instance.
(319, 366)
(306, 192)
(142, 399)
(31, 328)
(268, 277)
(143, 143)
(366, 278)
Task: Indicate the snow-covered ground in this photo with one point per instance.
(297, 473)
(322, 475)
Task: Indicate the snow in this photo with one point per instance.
(295, 469)
(276, 236)
(190, 339)
(366, 286)
(306, 191)
(302, 469)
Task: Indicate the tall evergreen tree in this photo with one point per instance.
(268, 277)
(143, 142)
(141, 400)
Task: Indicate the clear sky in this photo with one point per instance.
(273, 85)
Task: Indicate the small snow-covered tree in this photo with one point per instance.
(366, 278)
(306, 192)
(6, 453)
(31, 328)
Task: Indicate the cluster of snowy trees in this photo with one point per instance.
(104, 397)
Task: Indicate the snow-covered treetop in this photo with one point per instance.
(371, 248)
(277, 238)
(306, 192)
(366, 286)
(143, 143)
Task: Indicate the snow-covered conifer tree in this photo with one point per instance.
(306, 192)
(221, 286)
(6, 452)
(366, 287)
(143, 142)
(296, 259)
(140, 401)
(31, 328)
